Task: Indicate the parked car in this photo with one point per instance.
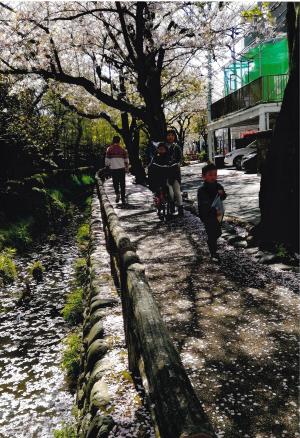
(249, 162)
(234, 158)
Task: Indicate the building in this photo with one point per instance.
(254, 85)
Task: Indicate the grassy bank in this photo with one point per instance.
(37, 208)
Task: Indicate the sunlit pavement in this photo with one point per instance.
(235, 323)
(242, 190)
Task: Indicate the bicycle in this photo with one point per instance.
(162, 202)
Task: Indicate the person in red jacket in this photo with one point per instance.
(116, 160)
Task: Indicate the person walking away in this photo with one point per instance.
(174, 174)
(210, 207)
(116, 160)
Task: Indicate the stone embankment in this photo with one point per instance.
(107, 400)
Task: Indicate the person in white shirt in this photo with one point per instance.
(116, 160)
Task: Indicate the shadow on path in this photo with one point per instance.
(235, 326)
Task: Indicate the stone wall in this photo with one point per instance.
(92, 394)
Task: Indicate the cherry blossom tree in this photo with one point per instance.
(124, 54)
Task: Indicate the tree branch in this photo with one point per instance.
(101, 115)
(80, 81)
(125, 32)
(6, 7)
(81, 14)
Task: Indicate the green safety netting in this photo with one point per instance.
(269, 59)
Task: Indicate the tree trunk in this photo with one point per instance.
(131, 137)
(157, 127)
(149, 86)
(279, 192)
(155, 118)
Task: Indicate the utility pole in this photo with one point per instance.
(210, 134)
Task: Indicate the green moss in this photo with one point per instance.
(66, 431)
(8, 271)
(71, 357)
(81, 271)
(83, 236)
(88, 201)
(73, 309)
(88, 206)
(36, 270)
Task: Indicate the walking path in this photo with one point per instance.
(242, 190)
(235, 324)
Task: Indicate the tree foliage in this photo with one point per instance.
(40, 133)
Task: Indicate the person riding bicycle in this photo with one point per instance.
(158, 169)
(174, 178)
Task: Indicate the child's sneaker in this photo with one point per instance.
(215, 257)
(117, 199)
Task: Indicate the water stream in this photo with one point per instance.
(34, 399)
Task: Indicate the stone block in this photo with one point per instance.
(96, 332)
(96, 351)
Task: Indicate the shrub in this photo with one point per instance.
(71, 356)
(87, 180)
(84, 179)
(2, 239)
(19, 234)
(59, 206)
(81, 271)
(83, 236)
(66, 431)
(38, 178)
(202, 156)
(75, 180)
(36, 270)
(282, 252)
(185, 161)
(73, 309)
(8, 271)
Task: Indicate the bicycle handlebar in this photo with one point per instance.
(164, 165)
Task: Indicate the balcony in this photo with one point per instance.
(265, 89)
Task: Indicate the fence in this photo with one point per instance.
(265, 89)
(176, 410)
